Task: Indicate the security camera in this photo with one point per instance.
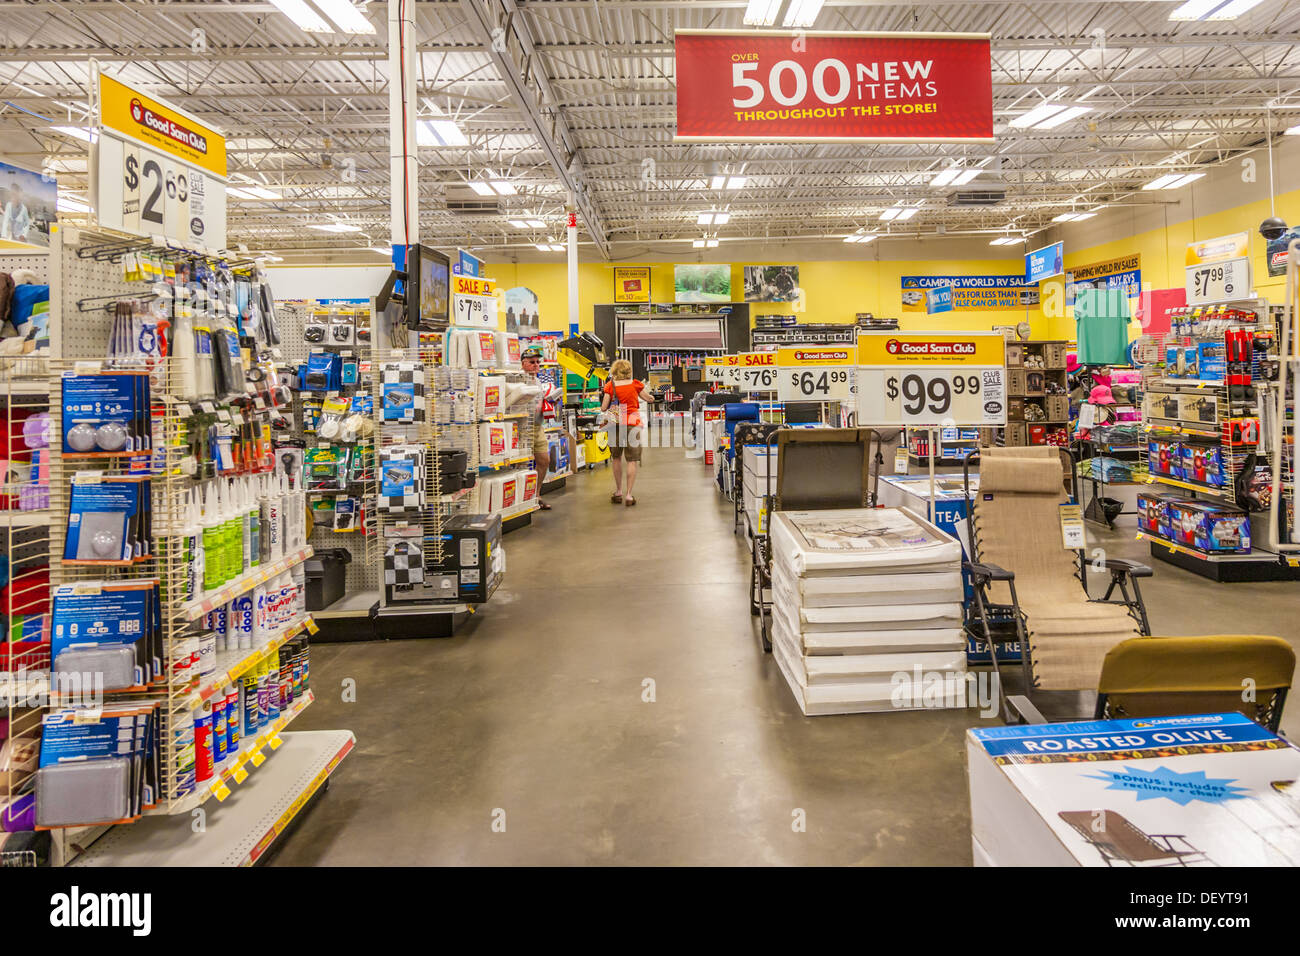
(1272, 228)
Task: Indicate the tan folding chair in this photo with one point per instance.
(816, 469)
(1029, 588)
(1167, 676)
(1121, 842)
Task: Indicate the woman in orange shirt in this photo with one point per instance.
(621, 403)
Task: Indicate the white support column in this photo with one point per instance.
(402, 165)
(573, 266)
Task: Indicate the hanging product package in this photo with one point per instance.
(316, 331)
(105, 520)
(106, 414)
(491, 396)
(401, 476)
(402, 391)
(107, 630)
(229, 361)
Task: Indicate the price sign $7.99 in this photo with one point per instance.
(930, 394)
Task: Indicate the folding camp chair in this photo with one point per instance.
(746, 433)
(1029, 588)
(1167, 676)
(1120, 842)
(816, 469)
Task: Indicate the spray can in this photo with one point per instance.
(241, 618)
(263, 693)
(273, 685)
(286, 676)
(207, 652)
(203, 766)
(220, 734)
(249, 706)
(233, 719)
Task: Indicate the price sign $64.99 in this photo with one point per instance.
(814, 385)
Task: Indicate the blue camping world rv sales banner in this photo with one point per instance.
(1124, 273)
(969, 293)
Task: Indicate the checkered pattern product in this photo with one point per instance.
(404, 563)
(402, 385)
(402, 478)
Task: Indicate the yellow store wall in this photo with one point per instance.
(835, 291)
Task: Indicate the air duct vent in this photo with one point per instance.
(977, 197)
(473, 207)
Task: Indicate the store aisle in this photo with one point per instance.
(536, 709)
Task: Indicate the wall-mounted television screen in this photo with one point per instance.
(428, 288)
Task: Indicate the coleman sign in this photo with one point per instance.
(768, 85)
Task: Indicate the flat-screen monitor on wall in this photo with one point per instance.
(428, 288)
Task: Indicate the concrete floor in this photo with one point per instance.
(535, 709)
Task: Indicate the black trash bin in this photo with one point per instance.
(326, 577)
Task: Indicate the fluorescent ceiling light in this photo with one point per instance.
(966, 177)
(346, 17)
(898, 212)
(906, 214)
(439, 132)
(482, 188)
(252, 192)
(518, 223)
(1067, 114)
(1006, 241)
(66, 203)
(501, 187)
(1048, 116)
(557, 247)
(543, 247)
(272, 257)
(304, 16)
(712, 219)
(334, 227)
(1173, 180)
(1073, 216)
(946, 177)
(890, 214)
(697, 243)
(728, 182)
(1293, 131)
(860, 236)
(535, 223)
(710, 243)
(761, 13)
(77, 132)
(802, 13)
(1213, 9)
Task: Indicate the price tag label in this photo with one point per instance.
(718, 368)
(931, 378)
(900, 461)
(257, 757)
(1072, 536)
(815, 374)
(1218, 281)
(479, 311)
(239, 773)
(220, 790)
(757, 379)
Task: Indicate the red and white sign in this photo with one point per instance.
(769, 85)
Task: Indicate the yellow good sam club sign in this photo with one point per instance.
(130, 113)
(816, 357)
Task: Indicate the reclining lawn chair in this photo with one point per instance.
(1121, 843)
(817, 469)
(1168, 676)
(1028, 588)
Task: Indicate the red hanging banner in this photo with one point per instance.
(779, 86)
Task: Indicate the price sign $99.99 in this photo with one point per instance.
(929, 379)
(931, 394)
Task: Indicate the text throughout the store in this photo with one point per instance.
(865, 87)
(1045, 263)
(158, 171)
(747, 371)
(1124, 272)
(969, 293)
(1218, 270)
(931, 379)
(815, 375)
(473, 302)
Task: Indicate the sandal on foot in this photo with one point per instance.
(630, 501)
(616, 498)
(543, 506)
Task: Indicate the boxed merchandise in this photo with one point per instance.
(1165, 457)
(1152, 513)
(491, 396)
(1197, 790)
(1202, 462)
(106, 414)
(108, 520)
(492, 442)
(528, 485)
(401, 476)
(483, 352)
(402, 387)
(507, 350)
(1209, 527)
(1211, 361)
(107, 628)
(97, 767)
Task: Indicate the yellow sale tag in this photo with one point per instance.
(275, 741)
(240, 774)
(221, 791)
(311, 626)
(258, 758)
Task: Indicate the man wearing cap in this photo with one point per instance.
(543, 414)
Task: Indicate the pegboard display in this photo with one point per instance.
(364, 573)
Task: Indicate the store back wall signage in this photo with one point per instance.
(970, 293)
(159, 172)
(1124, 272)
(775, 85)
(1218, 270)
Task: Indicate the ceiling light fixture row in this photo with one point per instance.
(800, 13)
(1213, 9)
(346, 17)
(1173, 180)
(705, 243)
(860, 236)
(899, 213)
(713, 218)
(955, 175)
(1049, 115)
(1007, 241)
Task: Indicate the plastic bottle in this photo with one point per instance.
(272, 520)
(245, 525)
(203, 743)
(192, 548)
(263, 693)
(233, 717)
(249, 703)
(242, 628)
(220, 730)
(184, 359)
(211, 528)
(272, 684)
(254, 502)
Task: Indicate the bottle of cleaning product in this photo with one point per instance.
(250, 703)
(244, 525)
(183, 358)
(263, 693)
(192, 533)
(273, 684)
(234, 717)
(273, 532)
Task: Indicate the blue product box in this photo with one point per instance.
(1203, 463)
(105, 414)
(1213, 528)
(102, 521)
(1165, 457)
(1211, 361)
(92, 615)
